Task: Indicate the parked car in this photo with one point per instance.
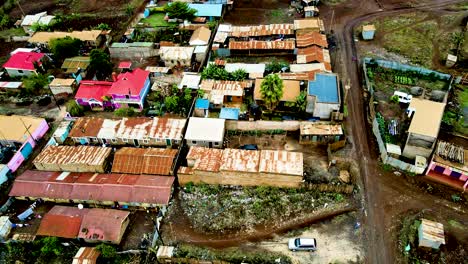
(303, 244)
(249, 147)
(403, 97)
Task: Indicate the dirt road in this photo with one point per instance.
(386, 195)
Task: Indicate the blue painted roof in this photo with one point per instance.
(229, 113)
(325, 87)
(207, 10)
(202, 103)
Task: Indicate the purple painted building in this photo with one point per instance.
(94, 94)
(130, 89)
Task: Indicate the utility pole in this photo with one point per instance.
(27, 129)
(19, 5)
(332, 21)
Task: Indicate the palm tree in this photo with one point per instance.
(271, 90)
(300, 104)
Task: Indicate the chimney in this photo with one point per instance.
(114, 76)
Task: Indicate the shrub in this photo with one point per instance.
(394, 99)
(107, 251)
(74, 109)
(125, 112)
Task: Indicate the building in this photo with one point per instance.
(141, 191)
(104, 225)
(197, 133)
(62, 221)
(242, 167)
(309, 25)
(86, 255)
(133, 50)
(431, 234)
(73, 159)
(291, 89)
(72, 65)
(424, 127)
(313, 54)
(11, 86)
(201, 107)
(311, 11)
(5, 228)
(94, 94)
(190, 80)
(323, 95)
(210, 11)
(254, 70)
(24, 63)
(368, 32)
(320, 132)
(154, 161)
(256, 47)
(449, 165)
(92, 38)
(224, 92)
(40, 19)
(137, 131)
(23, 132)
(130, 89)
(229, 113)
(176, 56)
(62, 86)
(259, 31)
(310, 39)
(62, 131)
(200, 37)
(310, 67)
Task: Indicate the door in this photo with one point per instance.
(26, 150)
(210, 144)
(439, 169)
(135, 142)
(168, 142)
(455, 174)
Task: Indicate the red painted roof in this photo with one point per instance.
(93, 89)
(103, 225)
(130, 82)
(23, 60)
(62, 221)
(125, 65)
(92, 186)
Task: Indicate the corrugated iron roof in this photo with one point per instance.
(298, 76)
(144, 161)
(262, 30)
(94, 187)
(257, 44)
(313, 54)
(86, 127)
(311, 38)
(240, 160)
(62, 221)
(232, 88)
(433, 231)
(309, 24)
(281, 162)
(206, 159)
(86, 255)
(315, 128)
(81, 155)
(103, 225)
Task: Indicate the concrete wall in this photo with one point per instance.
(61, 89)
(419, 145)
(262, 125)
(133, 52)
(324, 110)
(15, 73)
(199, 143)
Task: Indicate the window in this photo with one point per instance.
(127, 96)
(216, 143)
(146, 141)
(20, 71)
(439, 169)
(93, 139)
(114, 140)
(194, 142)
(125, 140)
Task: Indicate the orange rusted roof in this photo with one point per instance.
(206, 159)
(262, 45)
(86, 127)
(311, 38)
(240, 160)
(313, 54)
(262, 30)
(144, 161)
(281, 162)
(80, 155)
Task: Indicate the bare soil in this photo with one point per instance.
(247, 12)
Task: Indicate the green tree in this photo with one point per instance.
(300, 103)
(171, 102)
(4, 21)
(103, 26)
(276, 66)
(130, 9)
(51, 246)
(271, 90)
(180, 10)
(63, 48)
(215, 73)
(74, 109)
(239, 75)
(107, 251)
(33, 85)
(125, 112)
(100, 64)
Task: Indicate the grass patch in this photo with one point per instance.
(392, 23)
(156, 20)
(456, 224)
(7, 33)
(278, 16)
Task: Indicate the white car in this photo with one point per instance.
(305, 244)
(403, 97)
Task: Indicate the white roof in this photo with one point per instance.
(108, 129)
(307, 67)
(200, 49)
(221, 37)
(249, 68)
(224, 28)
(28, 20)
(45, 20)
(22, 50)
(190, 80)
(10, 85)
(205, 129)
(393, 149)
(62, 128)
(176, 53)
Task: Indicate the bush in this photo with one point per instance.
(180, 10)
(65, 47)
(125, 112)
(74, 109)
(34, 84)
(107, 251)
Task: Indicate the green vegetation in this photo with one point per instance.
(179, 102)
(100, 64)
(300, 104)
(180, 10)
(230, 255)
(156, 20)
(125, 112)
(7, 33)
(276, 66)
(272, 90)
(213, 208)
(214, 72)
(454, 114)
(74, 108)
(34, 84)
(63, 48)
(103, 26)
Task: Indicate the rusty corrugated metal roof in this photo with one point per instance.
(262, 45)
(240, 160)
(281, 162)
(144, 161)
(80, 155)
(298, 76)
(262, 30)
(311, 38)
(206, 159)
(103, 225)
(314, 128)
(313, 54)
(86, 255)
(62, 221)
(94, 187)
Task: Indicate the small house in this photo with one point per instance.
(210, 11)
(424, 127)
(152, 161)
(190, 80)
(308, 39)
(129, 90)
(176, 56)
(73, 159)
(200, 53)
(62, 86)
(94, 94)
(157, 71)
(309, 25)
(431, 234)
(320, 132)
(451, 60)
(11, 86)
(229, 113)
(91, 38)
(313, 54)
(323, 95)
(291, 89)
(311, 11)
(75, 64)
(264, 47)
(62, 131)
(104, 225)
(200, 37)
(393, 150)
(86, 255)
(5, 228)
(62, 221)
(368, 32)
(224, 92)
(40, 19)
(24, 64)
(197, 133)
(142, 191)
(201, 107)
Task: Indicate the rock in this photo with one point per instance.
(344, 176)
(416, 90)
(437, 95)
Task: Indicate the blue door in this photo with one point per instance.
(26, 150)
